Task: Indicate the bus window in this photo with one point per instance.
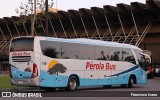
(144, 61)
(127, 55)
(69, 50)
(50, 48)
(86, 51)
(101, 53)
(115, 54)
(22, 44)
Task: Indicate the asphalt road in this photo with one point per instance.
(152, 87)
(95, 93)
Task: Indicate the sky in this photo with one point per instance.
(7, 7)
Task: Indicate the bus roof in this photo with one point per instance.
(88, 41)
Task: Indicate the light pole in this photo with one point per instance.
(46, 15)
(33, 16)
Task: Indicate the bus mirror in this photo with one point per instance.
(146, 56)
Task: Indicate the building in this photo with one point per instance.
(137, 24)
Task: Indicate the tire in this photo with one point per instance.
(72, 83)
(131, 82)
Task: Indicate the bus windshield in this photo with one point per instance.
(144, 61)
(22, 44)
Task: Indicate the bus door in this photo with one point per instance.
(144, 63)
(104, 78)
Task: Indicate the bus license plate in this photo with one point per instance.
(20, 82)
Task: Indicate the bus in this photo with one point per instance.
(71, 63)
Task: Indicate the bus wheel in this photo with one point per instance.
(72, 84)
(131, 82)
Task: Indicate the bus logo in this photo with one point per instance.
(100, 66)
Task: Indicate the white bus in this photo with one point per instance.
(70, 63)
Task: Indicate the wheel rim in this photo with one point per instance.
(73, 84)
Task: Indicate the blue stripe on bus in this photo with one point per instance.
(129, 70)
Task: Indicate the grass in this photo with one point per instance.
(5, 83)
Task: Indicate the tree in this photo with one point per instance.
(30, 8)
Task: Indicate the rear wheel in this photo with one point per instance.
(131, 82)
(72, 83)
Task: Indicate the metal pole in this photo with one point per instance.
(108, 26)
(144, 33)
(63, 28)
(16, 29)
(121, 24)
(73, 27)
(33, 17)
(96, 27)
(9, 30)
(135, 23)
(2, 34)
(46, 12)
(53, 28)
(84, 27)
(42, 25)
(25, 28)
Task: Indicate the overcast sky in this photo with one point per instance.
(7, 7)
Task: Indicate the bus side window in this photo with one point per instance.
(69, 50)
(127, 55)
(86, 51)
(101, 53)
(115, 54)
(50, 48)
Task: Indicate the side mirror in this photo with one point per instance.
(146, 56)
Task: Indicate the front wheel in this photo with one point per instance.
(72, 84)
(131, 82)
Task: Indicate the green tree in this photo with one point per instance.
(30, 8)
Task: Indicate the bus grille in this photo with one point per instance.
(21, 59)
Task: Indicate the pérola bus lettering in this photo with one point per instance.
(100, 66)
(24, 53)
